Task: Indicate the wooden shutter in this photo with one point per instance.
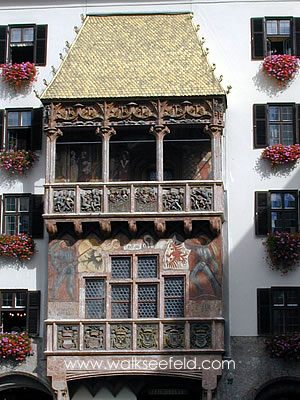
(260, 125)
(36, 211)
(264, 306)
(41, 44)
(33, 313)
(296, 34)
(258, 41)
(36, 129)
(3, 40)
(1, 129)
(261, 213)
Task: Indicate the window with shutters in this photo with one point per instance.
(20, 311)
(275, 35)
(276, 211)
(22, 43)
(23, 214)
(275, 124)
(278, 310)
(135, 288)
(21, 129)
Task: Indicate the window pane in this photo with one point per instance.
(290, 222)
(21, 299)
(16, 34)
(291, 321)
(289, 201)
(11, 225)
(121, 267)
(292, 297)
(121, 301)
(24, 224)
(287, 135)
(278, 321)
(147, 301)
(274, 134)
(287, 114)
(174, 297)
(274, 113)
(147, 267)
(276, 200)
(284, 27)
(24, 204)
(278, 298)
(11, 204)
(7, 299)
(276, 222)
(28, 34)
(26, 118)
(272, 27)
(13, 118)
(94, 288)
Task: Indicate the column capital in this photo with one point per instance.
(106, 132)
(159, 131)
(53, 134)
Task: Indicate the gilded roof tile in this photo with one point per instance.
(152, 55)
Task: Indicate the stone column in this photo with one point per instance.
(60, 387)
(52, 135)
(159, 131)
(216, 149)
(106, 132)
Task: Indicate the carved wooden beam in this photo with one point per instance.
(215, 225)
(105, 226)
(132, 226)
(160, 226)
(78, 227)
(51, 227)
(188, 225)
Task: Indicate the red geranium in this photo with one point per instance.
(19, 246)
(15, 345)
(19, 76)
(282, 67)
(281, 155)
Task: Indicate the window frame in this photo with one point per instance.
(266, 307)
(263, 210)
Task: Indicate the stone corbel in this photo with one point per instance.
(215, 225)
(51, 227)
(160, 226)
(78, 227)
(132, 226)
(105, 226)
(159, 131)
(209, 382)
(188, 225)
(60, 387)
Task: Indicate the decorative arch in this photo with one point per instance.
(285, 388)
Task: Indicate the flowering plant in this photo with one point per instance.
(17, 161)
(282, 67)
(284, 346)
(18, 76)
(19, 246)
(15, 345)
(280, 154)
(283, 250)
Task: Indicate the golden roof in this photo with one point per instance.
(125, 56)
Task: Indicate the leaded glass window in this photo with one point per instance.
(174, 297)
(94, 295)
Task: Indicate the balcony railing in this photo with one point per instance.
(135, 336)
(134, 198)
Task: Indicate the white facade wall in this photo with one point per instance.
(226, 28)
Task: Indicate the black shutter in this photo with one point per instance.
(263, 311)
(41, 44)
(36, 129)
(260, 125)
(258, 42)
(3, 39)
(1, 129)
(36, 210)
(261, 213)
(33, 313)
(297, 123)
(296, 26)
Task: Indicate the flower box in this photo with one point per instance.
(17, 161)
(19, 246)
(283, 250)
(281, 67)
(19, 76)
(15, 346)
(284, 346)
(282, 155)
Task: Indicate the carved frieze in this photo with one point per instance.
(200, 335)
(146, 111)
(67, 337)
(64, 114)
(147, 336)
(90, 200)
(218, 111)
(174, 336)
(201, 198)
(120, 337)
(119, 199)
(94, 337)
(145, 199)
(201, 110)
(64, 201)
(173, 199)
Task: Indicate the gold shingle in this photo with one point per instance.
(153, 55)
